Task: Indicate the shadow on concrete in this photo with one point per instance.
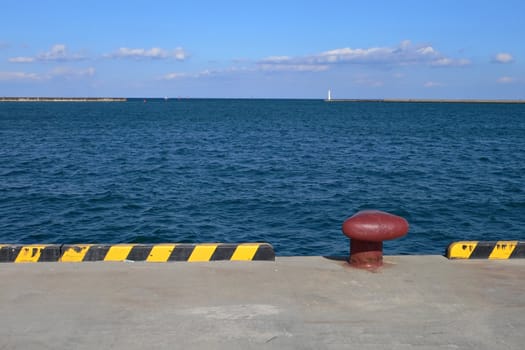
(336, 257)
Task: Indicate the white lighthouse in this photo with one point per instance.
(329, 95)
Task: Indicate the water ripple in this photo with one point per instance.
(286, 172)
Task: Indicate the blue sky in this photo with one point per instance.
(263, 49)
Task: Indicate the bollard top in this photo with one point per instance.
(374, 226)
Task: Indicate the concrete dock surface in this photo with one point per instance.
(414, 302)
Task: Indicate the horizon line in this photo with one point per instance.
(123, 99)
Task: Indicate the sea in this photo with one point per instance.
(286, 172)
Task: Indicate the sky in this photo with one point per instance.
(263, 49)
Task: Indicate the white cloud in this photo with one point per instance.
(70, 73)
(204, 73)
(22, 59)
(427, 50)
(349, 55)
(404, 54)
(57, 52)
(19, 76)
(125, 52)
(266, 67)
(277, 59)
(506, 80)
(60, 53)
(174, 76)
(286, 63)
(182, 75)
(180, 54)
(503, 57)
(431, 84)
(154, 53)
(61, 72)
(449, 62)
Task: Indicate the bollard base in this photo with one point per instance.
(366, 254)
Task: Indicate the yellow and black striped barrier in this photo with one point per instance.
(486, 250)
(136, 252)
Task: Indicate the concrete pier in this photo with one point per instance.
(413, 302)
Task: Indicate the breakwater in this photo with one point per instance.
(63, 99)
(423, 100)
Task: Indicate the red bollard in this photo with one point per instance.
(367, 230)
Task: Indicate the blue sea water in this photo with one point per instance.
(287, 172)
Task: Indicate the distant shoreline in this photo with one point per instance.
(424, 100)
(63, 99)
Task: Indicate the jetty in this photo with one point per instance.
(423, 302)
(420, 100)
(423, 100)
(63, 99)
